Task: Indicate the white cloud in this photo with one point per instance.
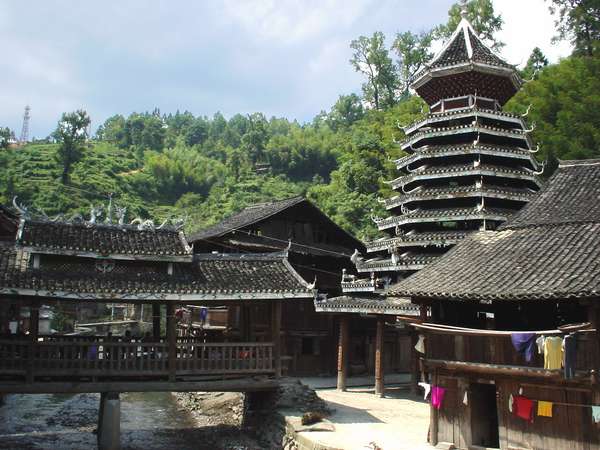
(290, 21)
(528, 24)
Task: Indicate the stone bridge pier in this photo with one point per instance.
(109, 421)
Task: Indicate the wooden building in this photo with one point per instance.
(492, 297)
(45, 261)
(469, 166)
(317, 248)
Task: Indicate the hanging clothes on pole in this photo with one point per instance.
(524, 343)
(553, 353)
(437, 396)
(523, 407)
(544, 409)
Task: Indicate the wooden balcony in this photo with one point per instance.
(98, 359)
(479, 353)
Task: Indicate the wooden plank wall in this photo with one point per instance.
(570, 428)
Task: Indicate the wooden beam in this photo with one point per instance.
(379, 382)
(276, 332)
(172, 340)
(342, 364)
(495, 369)
(237, 385)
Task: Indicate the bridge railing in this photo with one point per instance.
(60, 359)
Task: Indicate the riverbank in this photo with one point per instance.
(149, 421)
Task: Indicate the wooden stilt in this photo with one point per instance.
(172, 340)
(34, 327)
(156, 321)
(379, 382)
(276, 335)
(342, 366)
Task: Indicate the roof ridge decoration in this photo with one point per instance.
(172, 224)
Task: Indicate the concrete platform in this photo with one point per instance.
(362, 420)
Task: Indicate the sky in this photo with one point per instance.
(284, 58)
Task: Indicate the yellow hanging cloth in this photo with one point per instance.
(544, 409)
(553, 353)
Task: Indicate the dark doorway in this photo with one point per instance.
(484, 415)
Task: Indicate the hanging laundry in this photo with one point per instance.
(523, 408)
(427, 388)
(420, 345)
(437, 396)
(553, 353)
(540, 344)
(544, 408)
(524, 344)
(510, 403)
(596, 413)
(570, 349)
(466, 398)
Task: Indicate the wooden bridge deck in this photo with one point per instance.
(100, 364)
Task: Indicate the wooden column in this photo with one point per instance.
(156, 321)
(379, 383)
(34, 328)
(276, 335)
(34, 322)
(342, 363)
(172, 340)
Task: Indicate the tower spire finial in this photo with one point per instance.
(463, 9)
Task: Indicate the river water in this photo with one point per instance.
(149, 421)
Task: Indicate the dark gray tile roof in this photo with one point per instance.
(101, 239)
(456, 52)
(571, 195)
(208, 277)
(246, 217)
(367, 305)
(549, 250)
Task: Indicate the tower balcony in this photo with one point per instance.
(473, 128)
(477, 190)
(417, 239)
(522, 155)
(444, 215)
(466, 170)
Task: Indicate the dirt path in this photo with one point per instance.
(398, 422)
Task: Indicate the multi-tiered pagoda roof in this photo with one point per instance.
(468, 166)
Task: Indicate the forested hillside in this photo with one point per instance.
(175, 164)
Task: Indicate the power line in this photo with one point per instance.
(282, 241)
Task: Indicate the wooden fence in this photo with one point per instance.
(57, 358)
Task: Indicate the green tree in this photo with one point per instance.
(197, 132)
(71, 134)
(112, 130)
(482, 16)
(5, 137)
(565, 105)
(371, 58)
(579, 22)
(347, 110)
(414, 51)
(536, 62)
(255, 139)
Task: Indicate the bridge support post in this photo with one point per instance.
(156, 321)
(276, 327)
(172, 340)
(342, 363)
(379, 386)
(109, 421)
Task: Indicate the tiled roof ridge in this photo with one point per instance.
(507, 226)
(88, 225)
(273, 256)
(578, 163)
